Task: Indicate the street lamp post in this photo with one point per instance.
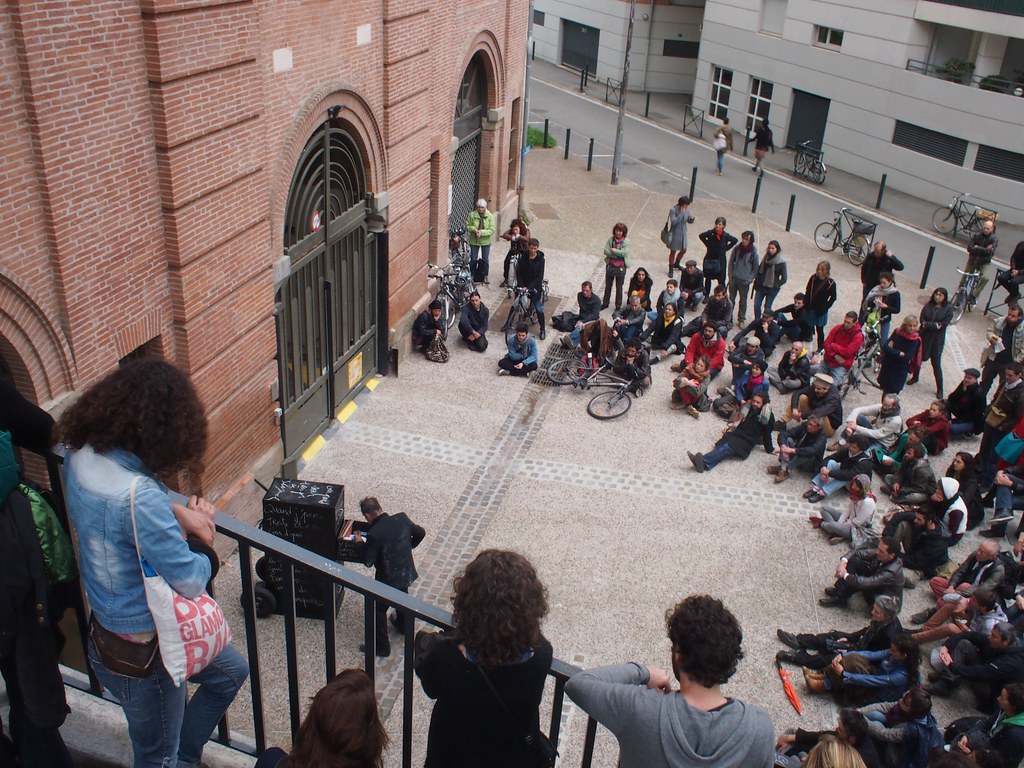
(623, 89)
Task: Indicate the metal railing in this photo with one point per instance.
(1009, 7)
(694, 117)
(249, 538)
(613, 91)
(994, 83)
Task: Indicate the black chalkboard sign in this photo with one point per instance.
(310, 515)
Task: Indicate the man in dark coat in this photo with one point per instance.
(966, 405)
(817, 650)
(473, 323)
(753, 424)
(871, 572)
(880, 260)
(427, 326)
(985, 663)
(820, 398)
(801, 447)
(390, 540)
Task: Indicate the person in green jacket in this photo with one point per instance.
(480, 226)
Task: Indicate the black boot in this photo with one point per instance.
(543, 331)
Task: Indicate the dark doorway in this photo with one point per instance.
(579, 45)
(808, 120)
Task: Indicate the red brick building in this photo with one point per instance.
(162, 183)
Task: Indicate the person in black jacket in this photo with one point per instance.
(852, 729)
(427, 326)
(662, 335)
(1011, 278)
(980, 251)
(793, 371)
(800, 448)
(390, 540)
(1002, 731)
(870, 572)
(966, 405)
(935, 319)
(718, 243)
(530, 274)
(925, 539)
(840, 468)
(473, 323)
(819, 398)
(985, 663)
(880, 260)
(590, 310)
(817, 650)
(792, 319)
(752, 424)
(766, 329)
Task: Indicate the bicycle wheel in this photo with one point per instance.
(959, 306)
(826, 236)
(944, 220)
(609, 405)
(515, 316)
(566, 371)
(798, 164)
(447, 309)
(817, 172)
(857, 250)
(851, 381)
(871, 365)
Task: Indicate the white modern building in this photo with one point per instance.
(930, 92)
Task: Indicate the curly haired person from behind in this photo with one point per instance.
(341, 730)
(141, 423)
(694, 725)
(498, 605)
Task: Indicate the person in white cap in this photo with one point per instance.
(480, 225)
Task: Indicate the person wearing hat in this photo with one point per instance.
(480, 225)
(966, 405)
(742, 356)
(691, 284)
(767, 331)
(427, 326)
(820, 398)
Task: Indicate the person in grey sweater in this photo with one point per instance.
(694, 725)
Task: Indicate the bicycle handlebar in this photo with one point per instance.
(969, 274)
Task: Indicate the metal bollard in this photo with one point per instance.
(590, 155)
(568, 133)
(757, 193)
(545, 144)
(533, 52)
(881, 191)
(583, 80)
(647, 106)
(927, 266)
(789, 216)
(693, 182)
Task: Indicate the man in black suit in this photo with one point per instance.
(390, 540)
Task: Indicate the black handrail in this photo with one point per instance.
(249, 538)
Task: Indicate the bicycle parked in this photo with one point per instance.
(808, 163)
(960, 217)
(458, 248)
(868, 361)
(853, 232)
(455, 286)
(523, 309)
(964, 297)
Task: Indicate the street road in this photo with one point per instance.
(662, 160)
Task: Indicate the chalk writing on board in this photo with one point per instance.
(283, 490)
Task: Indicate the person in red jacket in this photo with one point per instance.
(841, 347)
(708, 343)
(934, 421)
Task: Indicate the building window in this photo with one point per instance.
(935, 144)
(681, 49)
(760, 102)
(721, 89)
(513, 145)
(538, 18)
(773, 16)
(828, 37)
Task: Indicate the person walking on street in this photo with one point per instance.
(480, 225)
(616, 261)
(763, 141)
(722, 143)
(678, 217)
(935, 318)
(718, 243)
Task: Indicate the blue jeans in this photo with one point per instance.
(720, 159)
(165, 731)
(832, 485)
(480, 253)
(838, 373)
(716, 454)
(883, 331)
(764, 296)
(961, 427)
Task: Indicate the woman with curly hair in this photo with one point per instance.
(126, 434)
(341, 730)
(499, 603)
(641, 284)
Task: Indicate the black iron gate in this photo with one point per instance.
(326, 309)
(465, 179)
(467, 126)
(808, 119)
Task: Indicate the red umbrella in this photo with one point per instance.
(787, 686)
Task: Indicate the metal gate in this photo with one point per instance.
(808, 119)
(326, 309)
(465, 180)
(580, 45)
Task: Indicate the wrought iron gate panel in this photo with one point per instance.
(465, 179)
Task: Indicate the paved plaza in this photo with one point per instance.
(612, 514)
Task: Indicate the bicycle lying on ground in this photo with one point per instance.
(853, 233)
(612, 403)
(868, 360)
(808, 163)
(960, 217)
(964, 297)
(588, 372)
(455, 285)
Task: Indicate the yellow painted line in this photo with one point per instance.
(371, 384)
(345, 413)
(314, 448)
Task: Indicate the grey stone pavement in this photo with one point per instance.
(612, 514)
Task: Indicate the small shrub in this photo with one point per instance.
(535, 138)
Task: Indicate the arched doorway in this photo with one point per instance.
(326, 308)
(470, 109)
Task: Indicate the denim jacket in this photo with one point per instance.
(99, 504)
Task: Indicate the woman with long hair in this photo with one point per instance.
(690, 387)
(885, 299)
(1002, 731)
(517, 235)
(901, 354)
(488, 676)
(842, 524)
(830, 752)
(641, 284)
(771, 275)
(935, 318)
(616, 261)
(935, 423)
(964, 470)
(126, 434)
(678, 217)
(341, 730)
(820, 295)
